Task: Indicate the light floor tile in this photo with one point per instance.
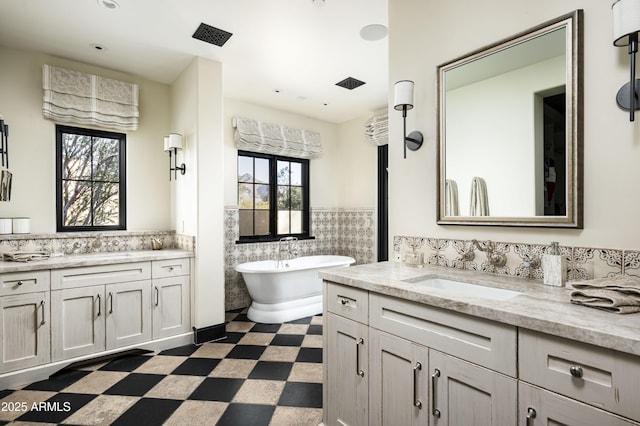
(312, 341)
(20, 402)
(260, 339)
(234, 368)
(175, 387)
(213, 350)
(103, 410)
(296, 416)
(161, 364)
(197, 413)
(306, 372)
(293, 329)
(260, 392)
(317, 320)
(280, 353)
(96, 382)
(240, 326)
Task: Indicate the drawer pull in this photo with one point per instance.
(43, 322)
(576, 371)
(359, 342)
(531, 414)
(99, 306)
(416, 401)
(157, 295)
(344, 301)
(434, 379)
(110, 302)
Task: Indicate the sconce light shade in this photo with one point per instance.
(626, 25)
(175, 140)
(172, 144)
(166, 144)
(403, 97)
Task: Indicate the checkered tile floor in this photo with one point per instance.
(262, 374)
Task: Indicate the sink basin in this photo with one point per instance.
(466, 289)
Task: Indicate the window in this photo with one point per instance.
(90, 180)
(273, 196)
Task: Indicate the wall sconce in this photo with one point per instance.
(626, 25)
(173, 142)
(403, 101)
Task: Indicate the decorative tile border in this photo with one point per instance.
(582, 262)
(347, 232)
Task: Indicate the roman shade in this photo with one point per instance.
(376, 130)
(86, 99)
(269, 138)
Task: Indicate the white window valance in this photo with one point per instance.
(269, 138)
(376, 130)
(86, 99)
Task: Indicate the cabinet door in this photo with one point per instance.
(170, 306)
(539, 407)
(466, 394)
(77, 322)
(128, 313)
(348, 371)
(24, 321)
(398, 386)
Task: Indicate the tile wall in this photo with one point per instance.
(348, 232)
(582, 262)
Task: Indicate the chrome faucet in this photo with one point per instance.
(290, 248)
(495, 259)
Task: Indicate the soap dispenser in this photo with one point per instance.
(554, 266)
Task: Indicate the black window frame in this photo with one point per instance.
(273, 199)
(122, 176)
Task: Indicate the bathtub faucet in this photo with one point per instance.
(288, 245)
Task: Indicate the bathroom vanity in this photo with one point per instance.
(73, 308)
(401, 346)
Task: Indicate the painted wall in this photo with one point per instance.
(611, 142)
(32, 145)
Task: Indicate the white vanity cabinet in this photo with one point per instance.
(171, 307)
(98, 308)
(24, 320)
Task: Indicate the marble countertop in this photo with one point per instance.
(91, 259)
(540, 307)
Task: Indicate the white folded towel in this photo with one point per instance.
(618, 294)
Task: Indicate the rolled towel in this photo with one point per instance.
(619, 294)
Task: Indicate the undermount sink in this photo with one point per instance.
(466, 289)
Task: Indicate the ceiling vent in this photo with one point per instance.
(350, 83)
(212, 35)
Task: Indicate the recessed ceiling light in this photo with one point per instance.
(109, 4)
(373, 32)
(317, 3)
(98, 47)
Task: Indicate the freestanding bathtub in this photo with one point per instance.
(287, 290)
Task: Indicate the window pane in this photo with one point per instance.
(245, 169)
(283, 172)
(245, 195)
(296, 198)
(296, 222)
(262, 170)
(283, 222)
(76, 156)
(246, 222)
(262, 197)
(296, 173)
(262, 222)
(76, 201)
(105, 159)
(106, 204)
(283, 197)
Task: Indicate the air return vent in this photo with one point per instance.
(350, 83)
(212, 35)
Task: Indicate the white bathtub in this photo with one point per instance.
(288, 291)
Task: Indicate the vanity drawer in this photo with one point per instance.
(24, 282)
(601, 377)
(99, 274)
(348, 302)
(487, 343)
(169, 268)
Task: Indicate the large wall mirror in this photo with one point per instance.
(510, 130)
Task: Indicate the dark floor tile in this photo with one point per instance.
(2, 423)
(298, 394)
(246, 352)
(57, 408)
(305, 320)
(217, 389)
(271, 370)
(232, 337)
(242, 317)
(265, 328)
(5, 392)
(196, 367)
(309, 355)
(59, 381)
(247, 415)
(135, 384)
(126, 363)
(315, 329)
(148, 411)
(186, 350)
(287, 340)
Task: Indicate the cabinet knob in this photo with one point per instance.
(344, 301)
(19, 283)
(576, 371)
(531, 414)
